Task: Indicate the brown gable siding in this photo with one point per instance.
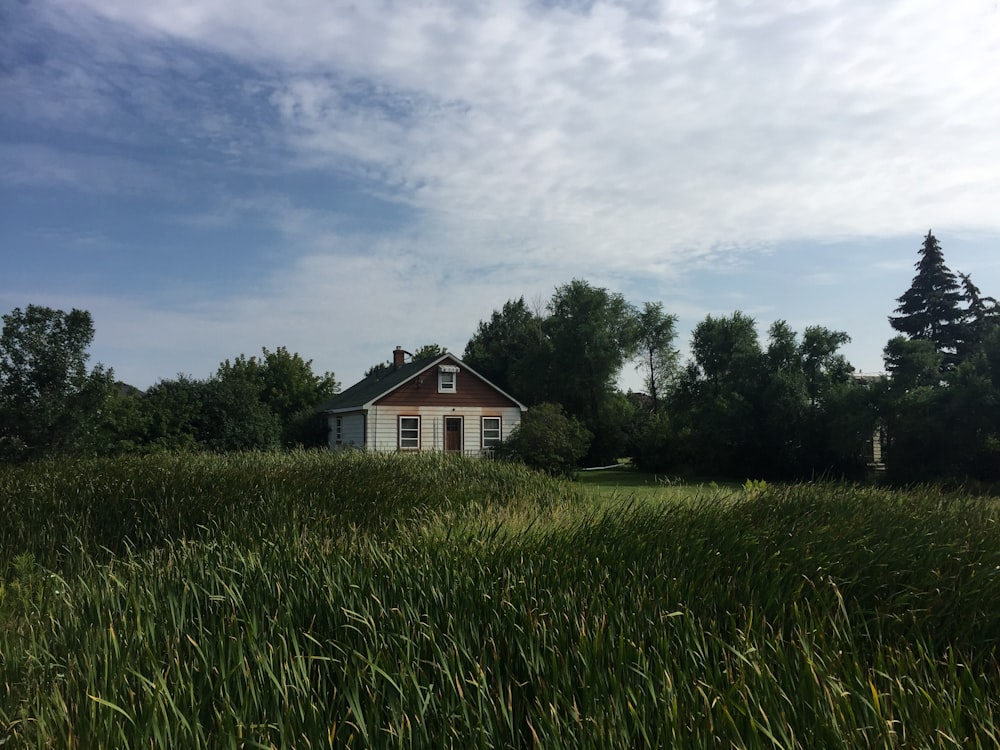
(423, 391)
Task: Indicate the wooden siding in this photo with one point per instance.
(470, 391)
(383, 424)
(352, 430)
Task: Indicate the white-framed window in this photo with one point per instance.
(491, 432)
(338, 431)
(447, 379)
(409, 433)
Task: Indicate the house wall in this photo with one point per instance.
(383, 424)
(472, 399)
(352, 430)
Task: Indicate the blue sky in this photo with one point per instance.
(211, 177)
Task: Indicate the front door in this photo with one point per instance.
(452, 434)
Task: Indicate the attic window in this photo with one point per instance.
(447, 379)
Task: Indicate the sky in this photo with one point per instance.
(212, 177)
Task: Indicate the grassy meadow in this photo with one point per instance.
(313, 600)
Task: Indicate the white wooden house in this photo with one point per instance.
(434, 404)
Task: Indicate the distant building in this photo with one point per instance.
(434, 404)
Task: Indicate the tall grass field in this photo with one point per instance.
(315, 600)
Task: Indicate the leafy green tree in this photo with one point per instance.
(911, 407)
(912, 363)
(851, 422)
(172, 410)
(812, 416)
(973, 412)
(790, 411)
(658, 358)
(931, 308)
(221, 413)
(726, 351)
(548, 439)
(916, 447)
(782, 353)
(592, 332)
(510, 350)
(234, 416)
(943, 423)
(655, 447)
(943, 427)
(123, 422)
(425, 351)
(49, 401)
(822, 363)
(717, 396)
(834, 405)
(816, 419)
(289, 388)
(781, 413)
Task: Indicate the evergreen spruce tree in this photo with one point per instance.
(982, 314)
(930, 308)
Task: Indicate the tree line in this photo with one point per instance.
(941, 405)
(786, 407)
(736, 408)
(789, 407)
(51, 404)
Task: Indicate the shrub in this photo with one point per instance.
(548, 439)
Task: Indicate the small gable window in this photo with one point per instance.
(447, 379)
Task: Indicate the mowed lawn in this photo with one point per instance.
(319, 600)
(625, 482)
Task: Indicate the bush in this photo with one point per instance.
(548, 439)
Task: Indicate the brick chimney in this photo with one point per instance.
(397, 357)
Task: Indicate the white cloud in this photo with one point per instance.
(608, 136)
(611, 141)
